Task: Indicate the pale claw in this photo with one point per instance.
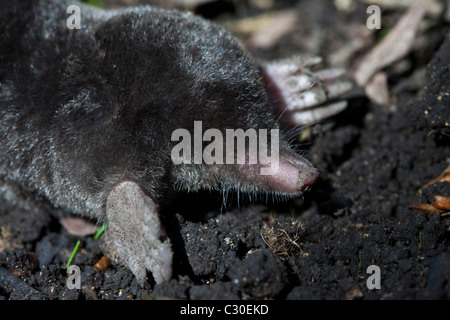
(300, 96)
(330, 74)
(312, 97)
(338, 88)
(135, 234)
(305, 62)
(314, 115)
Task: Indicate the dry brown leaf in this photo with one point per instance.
(429, 208)
(442, 203)
(272, 29)
(78, 226)
(377, 89)
(444, 176)
(394, 46)
(435, 8)
(103, 264)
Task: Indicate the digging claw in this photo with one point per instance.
(330, 74)
(314, 115)
(300, 96)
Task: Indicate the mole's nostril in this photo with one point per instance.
(308, 180)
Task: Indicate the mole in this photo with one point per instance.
(88, 115)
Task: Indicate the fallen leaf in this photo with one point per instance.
(103, 264)
(377, 89)
(429, 208)
(435, 8)
(271, 28)
(444, 176)
(394, 46)
(442, 203)
(78, 226)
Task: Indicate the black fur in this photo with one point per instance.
(82, 110)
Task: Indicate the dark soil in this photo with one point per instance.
(374, 164)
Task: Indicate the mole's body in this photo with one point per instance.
(87, 116)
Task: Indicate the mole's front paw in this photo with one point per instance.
(301, 97)
(135, 233)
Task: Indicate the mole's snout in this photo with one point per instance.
(294, 174)
(308, 180)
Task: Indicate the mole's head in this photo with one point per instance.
(192, 90)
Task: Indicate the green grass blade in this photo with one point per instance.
(100, 231)
(74, 251)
